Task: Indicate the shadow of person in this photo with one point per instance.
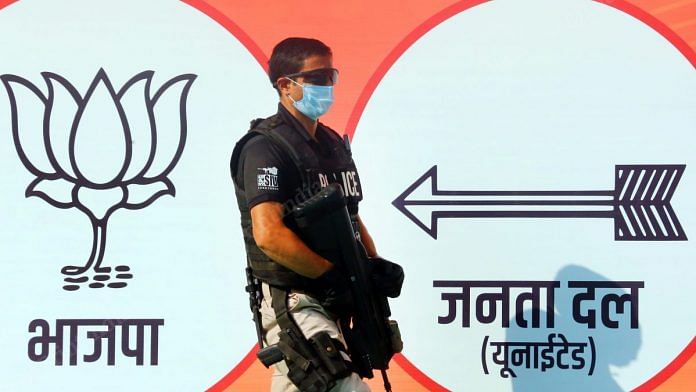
(615, 347)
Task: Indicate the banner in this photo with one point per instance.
(528, 163)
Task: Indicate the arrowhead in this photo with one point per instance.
(425, 185)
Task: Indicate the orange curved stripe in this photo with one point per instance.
(661, 7)
(251, 376)
(399, 50)
(656, 24)
(417, 375)
(237, 372)
(674, 15)
(677, 15)
(232, 27)
(669, 370)
(360, 32)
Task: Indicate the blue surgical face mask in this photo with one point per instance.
(316, 100)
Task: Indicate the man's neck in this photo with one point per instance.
(309, 124)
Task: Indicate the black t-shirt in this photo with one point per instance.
(267, 174)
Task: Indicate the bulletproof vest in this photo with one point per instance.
(313, 177)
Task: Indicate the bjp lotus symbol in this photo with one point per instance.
(99, 152)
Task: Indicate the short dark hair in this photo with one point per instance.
(289, 55)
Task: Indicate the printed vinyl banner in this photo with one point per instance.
(529, 164)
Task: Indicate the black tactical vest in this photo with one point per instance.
(313, 177)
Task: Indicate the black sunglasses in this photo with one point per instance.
(319, 77)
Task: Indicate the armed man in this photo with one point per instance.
(304, 299)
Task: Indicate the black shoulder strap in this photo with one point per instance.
(255, 123)
(346, 143)
(345, 140)
(265, 128)
(259, 126)
(290, 151)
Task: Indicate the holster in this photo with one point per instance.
(314, 364)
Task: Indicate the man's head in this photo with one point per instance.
(289, 57)
(298, 64)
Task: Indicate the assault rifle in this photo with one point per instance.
(326, 227)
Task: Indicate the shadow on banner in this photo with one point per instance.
(616, 346)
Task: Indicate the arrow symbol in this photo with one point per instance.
(639, 204)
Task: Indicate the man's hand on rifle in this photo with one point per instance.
(387, 276)
(336, 295)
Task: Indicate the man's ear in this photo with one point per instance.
(282, 84)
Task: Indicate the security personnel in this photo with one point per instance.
(283, 160)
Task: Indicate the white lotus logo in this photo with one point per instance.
(99, 152)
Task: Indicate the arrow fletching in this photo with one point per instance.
(643, 211)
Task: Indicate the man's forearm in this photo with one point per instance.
(288, 250)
